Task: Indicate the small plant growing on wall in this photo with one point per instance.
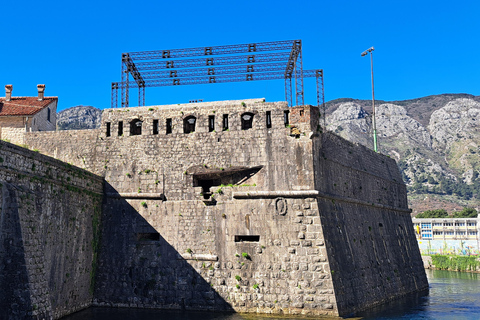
(144, 204)
(189, 250)
(237, 286)
(246, 255)
(238, 278)
(255, 286)
(128, 175)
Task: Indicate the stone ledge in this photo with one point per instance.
(198, 257)
(133, 195)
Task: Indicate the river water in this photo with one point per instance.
(453, 295)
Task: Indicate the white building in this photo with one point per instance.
(26, 114)
(448, 235)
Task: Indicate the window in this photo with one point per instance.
(471, 224)
(461, 233)
(459, 224)
(268, 119)
(437, 224)
(211, 123)
(225, 122)
(108, 129)
(426, 226)
(189, 124)
(247, 120)
(427, 235)
(48, 114)
(153, 236)
(120, 128)
(472, 233)
(286, 119)
(168, 126)
(437, 233)
(245, 238)
(155, 126)
(136, 127)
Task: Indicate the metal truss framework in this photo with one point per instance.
(219, 64)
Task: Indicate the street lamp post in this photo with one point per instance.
(364, 53)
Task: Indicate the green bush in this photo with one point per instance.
(458, 263)
(466, 213)
(439, 213)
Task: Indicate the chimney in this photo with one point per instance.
(8, 92)
(41, 89)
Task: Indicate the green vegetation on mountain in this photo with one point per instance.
(435, 141)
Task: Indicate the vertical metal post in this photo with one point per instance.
(321, 95)
(122, 84)
(364, 53)
(323, 102)
(139, 96)
(373, 107)
(114, 99)
(299, 75)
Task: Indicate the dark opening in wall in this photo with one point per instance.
(247, 120)
(168, 126)
(153, 236)
(269, 119)
(155, 126)
(189, 124)
(108, 129)
(211, 123)
(225, 122)
(206, 185)
(245, 238)
(120, 128)
(48, 114)
(286, 119)
(136, 127)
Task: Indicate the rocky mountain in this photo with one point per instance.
(79, 117)
(435, 140)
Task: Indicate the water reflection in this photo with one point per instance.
(453, 295)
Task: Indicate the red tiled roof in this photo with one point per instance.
(23, 106)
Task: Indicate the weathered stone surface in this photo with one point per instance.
(248, 197)
(49, 234)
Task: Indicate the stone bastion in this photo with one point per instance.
(242, 206)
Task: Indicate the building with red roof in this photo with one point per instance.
(26, 114)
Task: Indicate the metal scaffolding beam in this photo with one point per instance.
(281, 60)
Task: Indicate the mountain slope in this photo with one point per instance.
(79, 117)
(434, 139)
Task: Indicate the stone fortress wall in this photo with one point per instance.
(276, 218)
(49, 235)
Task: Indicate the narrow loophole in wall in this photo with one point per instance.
(211, 123)
(245, 238)
(120, 128)
(108, 129)
(136, 127)
(153, 236)
(189, 124)
(247, 120)
(286, 119)
(155, 126)
(225, 122)
(269, 119)
(168, 126)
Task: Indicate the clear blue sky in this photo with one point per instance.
(74, 47)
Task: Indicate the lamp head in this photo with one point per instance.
(364, 53)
